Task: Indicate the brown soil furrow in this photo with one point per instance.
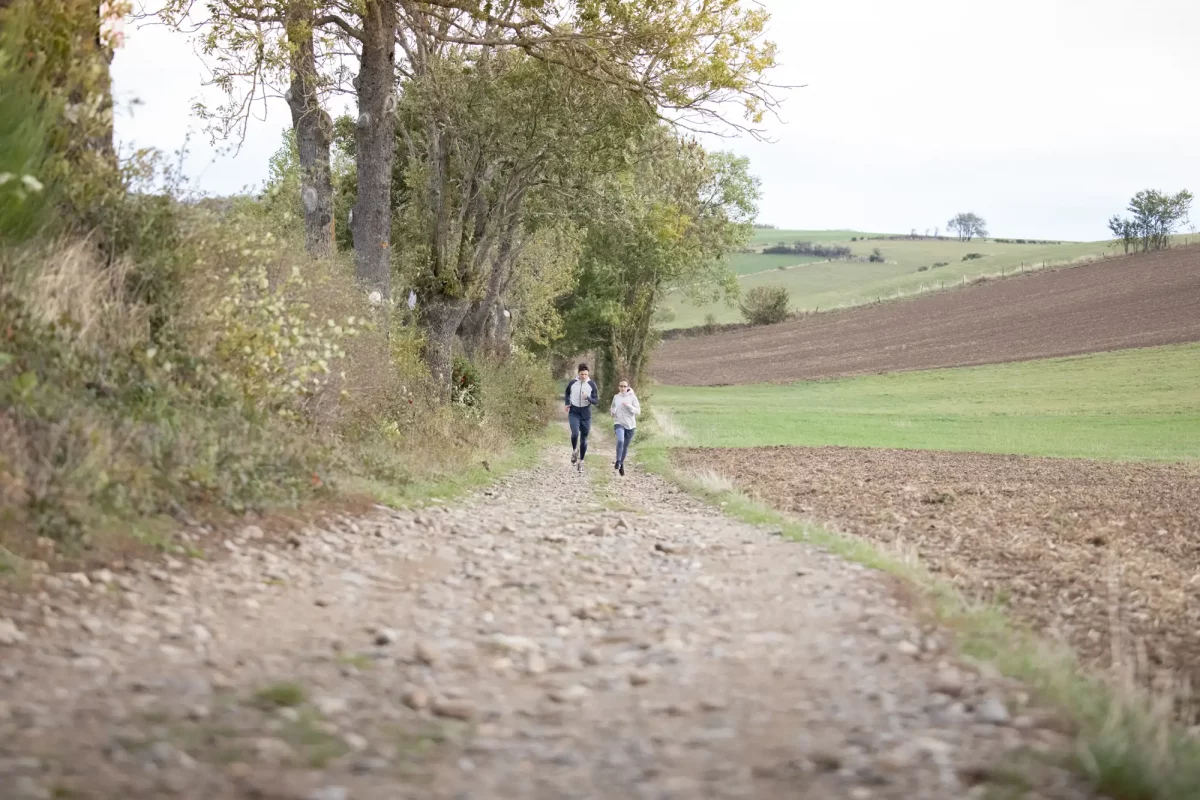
(1140, 301)
(1063, 542)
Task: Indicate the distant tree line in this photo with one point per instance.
(1155, 216)
(831, 252)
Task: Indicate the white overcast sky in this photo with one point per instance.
(1043, 116)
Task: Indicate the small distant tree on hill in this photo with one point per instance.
(765, 305)
(967, 226)
(1155, 217)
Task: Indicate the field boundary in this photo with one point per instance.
(1126, 744)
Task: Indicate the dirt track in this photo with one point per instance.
(1140, 301)
(529, 642)
(1086, 551)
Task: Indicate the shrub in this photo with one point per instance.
(972, 256)
(808, 249)
(465, 383)
(876, 257)
(941, 264)
(922, 269)
(710, 323)
(765, 305)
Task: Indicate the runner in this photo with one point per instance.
(579, 398)
(624, 410)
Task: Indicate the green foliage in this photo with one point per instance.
(972, 256)
(967, 226)
(876, 257)
(1155, 217)
(464, 383)
(26, 118)
(666, 224)
(765, 305)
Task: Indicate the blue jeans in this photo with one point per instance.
(624, 439)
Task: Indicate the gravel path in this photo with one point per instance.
(531, 642)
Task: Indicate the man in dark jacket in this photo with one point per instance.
(580, 396)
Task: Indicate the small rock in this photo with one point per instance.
(328, 793)
(252, 532)
(415, 698)
(507, 528)
(571, 694)
(385, 637)
(103, 576)
(198, 712)
(993, 711)
(355, 742)
(666, 549)
(426, 653)
(536, 665)
(908, 648)
(453, 709)
(10, 634)
(949, 683)
(639, 678)
(274, 751)
(80, 579)
(321, 602)
(331, 706)
(514, 644)
(600, 530)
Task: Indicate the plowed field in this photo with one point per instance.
(1104, 556)
(1140, 301)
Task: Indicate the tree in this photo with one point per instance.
(258, 49)
(1156, 216)
(661, 226)
(967, 226)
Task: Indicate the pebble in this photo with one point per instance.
(571, 694)
(10, 634)
(453, 709)
(993, 711)
(385, 637)
(328, 793)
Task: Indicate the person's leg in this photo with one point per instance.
(585, 427)
(573, 421)
(629, 434)
(619, 433)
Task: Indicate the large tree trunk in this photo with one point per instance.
(314, 132)
(442, 316)
(376, 148)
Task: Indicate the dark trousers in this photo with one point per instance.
(581, 426)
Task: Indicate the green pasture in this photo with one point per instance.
(1139, 404)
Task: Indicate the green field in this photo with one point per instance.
(1127, 404)
(824, 284)
(749, 263)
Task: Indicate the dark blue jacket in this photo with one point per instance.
(592, 396)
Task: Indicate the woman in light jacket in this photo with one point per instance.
(624, 410)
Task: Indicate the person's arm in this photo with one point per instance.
(567, 395)
(612, 407)
(595, 398)
(636, 406)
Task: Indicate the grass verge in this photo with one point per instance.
(1126, 744)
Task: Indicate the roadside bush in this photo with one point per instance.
(941, 264)
(464, 383)
(922, 269)
(876, 256)
(710, 323)
(765, 305)
(972, 256)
